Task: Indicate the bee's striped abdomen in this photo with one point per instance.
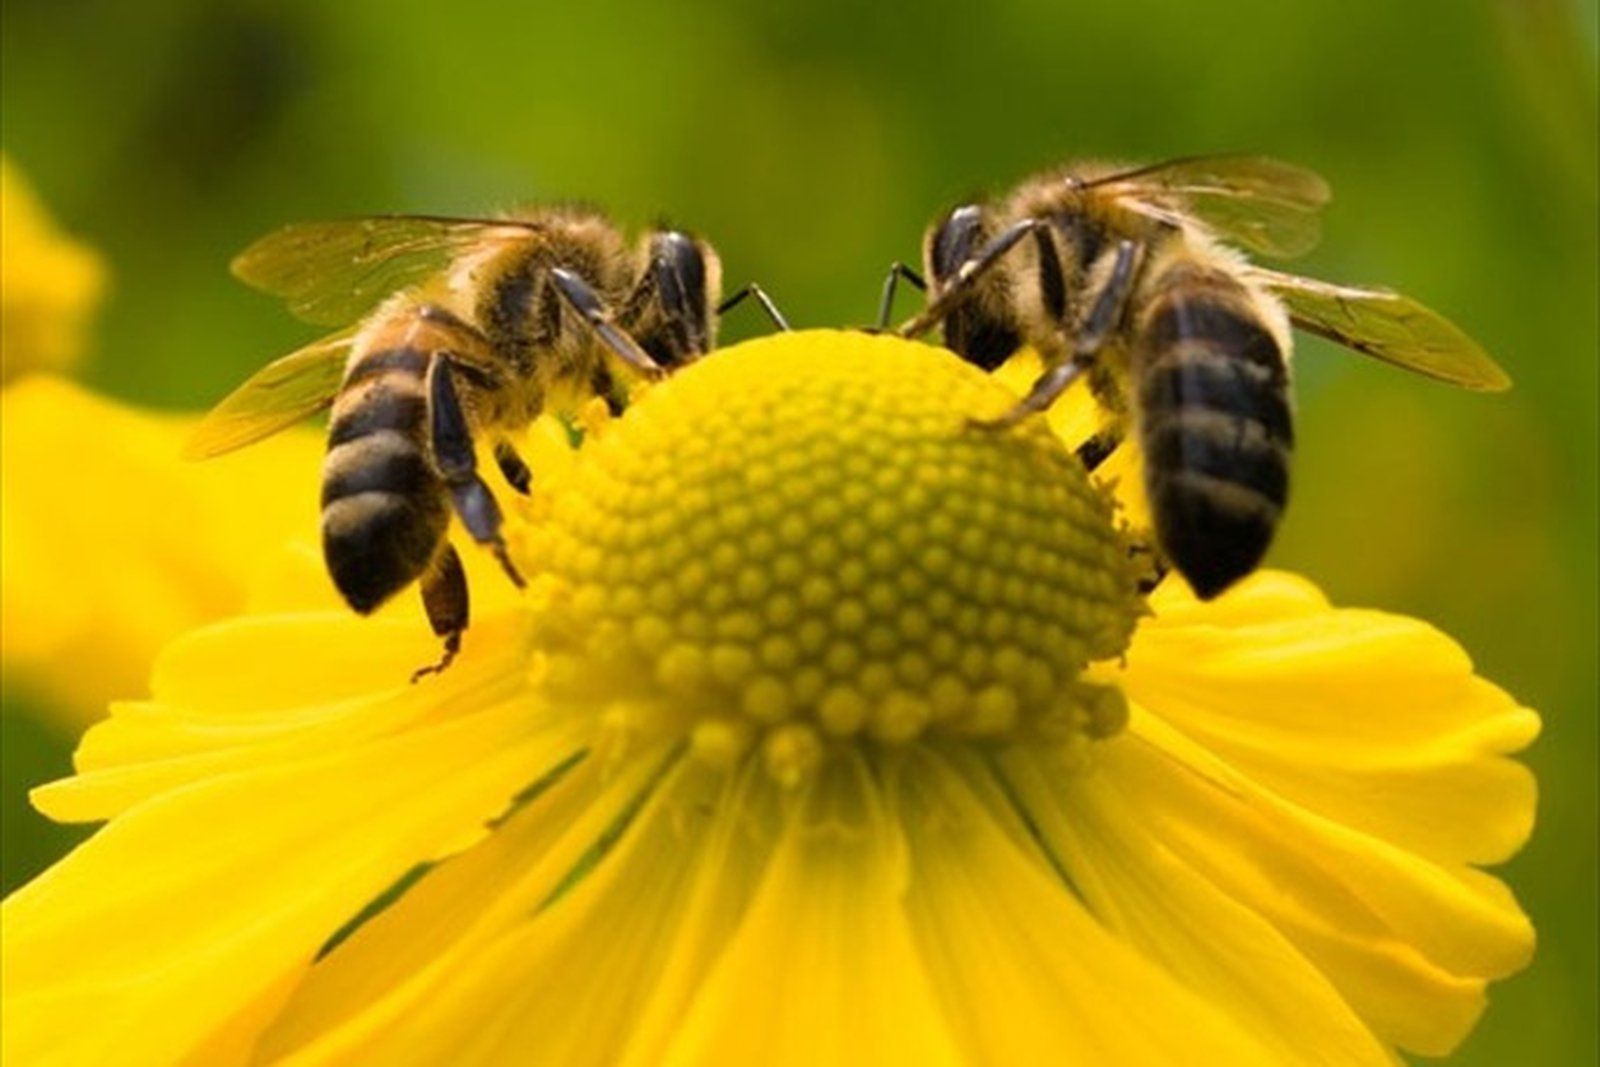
(1215, 426)
(384, 511)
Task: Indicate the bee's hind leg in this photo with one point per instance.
(444, 597)
(450, 439)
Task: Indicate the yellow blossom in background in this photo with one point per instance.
(49, 284)
(111, 545)
(829, 731)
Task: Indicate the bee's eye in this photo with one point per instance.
(679, 270)
(954, 242)
(676, 255)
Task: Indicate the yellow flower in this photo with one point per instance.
(110, 545)
(50, 283)
(829, 732)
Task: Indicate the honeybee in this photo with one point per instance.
(1129, 276)
(453, 330)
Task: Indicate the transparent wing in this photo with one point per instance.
(1264, 204)
(1387, 326)
(331, 273)
(276, 397)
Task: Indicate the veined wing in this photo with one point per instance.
(276, 397)
(1387, 326)
(331, 273)
(1264, 204)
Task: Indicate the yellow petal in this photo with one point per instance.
(234, 1042)
(1218, 948)
(823, 969)
(225, 702)
(478, 958)
(1025, 974)
(1408, 943)
(736, 852)
(1373, 720)
(188, 908)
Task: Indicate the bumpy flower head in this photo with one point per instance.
(863, 565)
(830, 730)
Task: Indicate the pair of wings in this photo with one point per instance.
(1273, 208)
(332, 274)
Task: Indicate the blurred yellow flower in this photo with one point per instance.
(110, 545)
(828, 732)
(49, 283)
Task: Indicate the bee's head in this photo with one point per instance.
(980, 324)
(683, 281)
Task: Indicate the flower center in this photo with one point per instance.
(801, 539)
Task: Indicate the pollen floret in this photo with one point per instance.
(802, 539)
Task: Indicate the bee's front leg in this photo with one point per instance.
(771, 309)
(898, 271)
(582, 298)
(969, 272)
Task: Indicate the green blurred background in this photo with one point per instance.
(813, 142)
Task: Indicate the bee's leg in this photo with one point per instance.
(761, 298)
(1105, 315)
(1155, 567)
(1111, 305)
(604, 385)
(1094, 451)
(1046, 388)
(983, 261)
(444, 597)
(897, 271)
(512, 466)
(587, 303)
(450, 438)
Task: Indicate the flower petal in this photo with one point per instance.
(1220, 949)
(490, 955)
(1408, 943)
(823, 968)
(191, 906)
(1373, 720)
(1026, 975)
(225, 702)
